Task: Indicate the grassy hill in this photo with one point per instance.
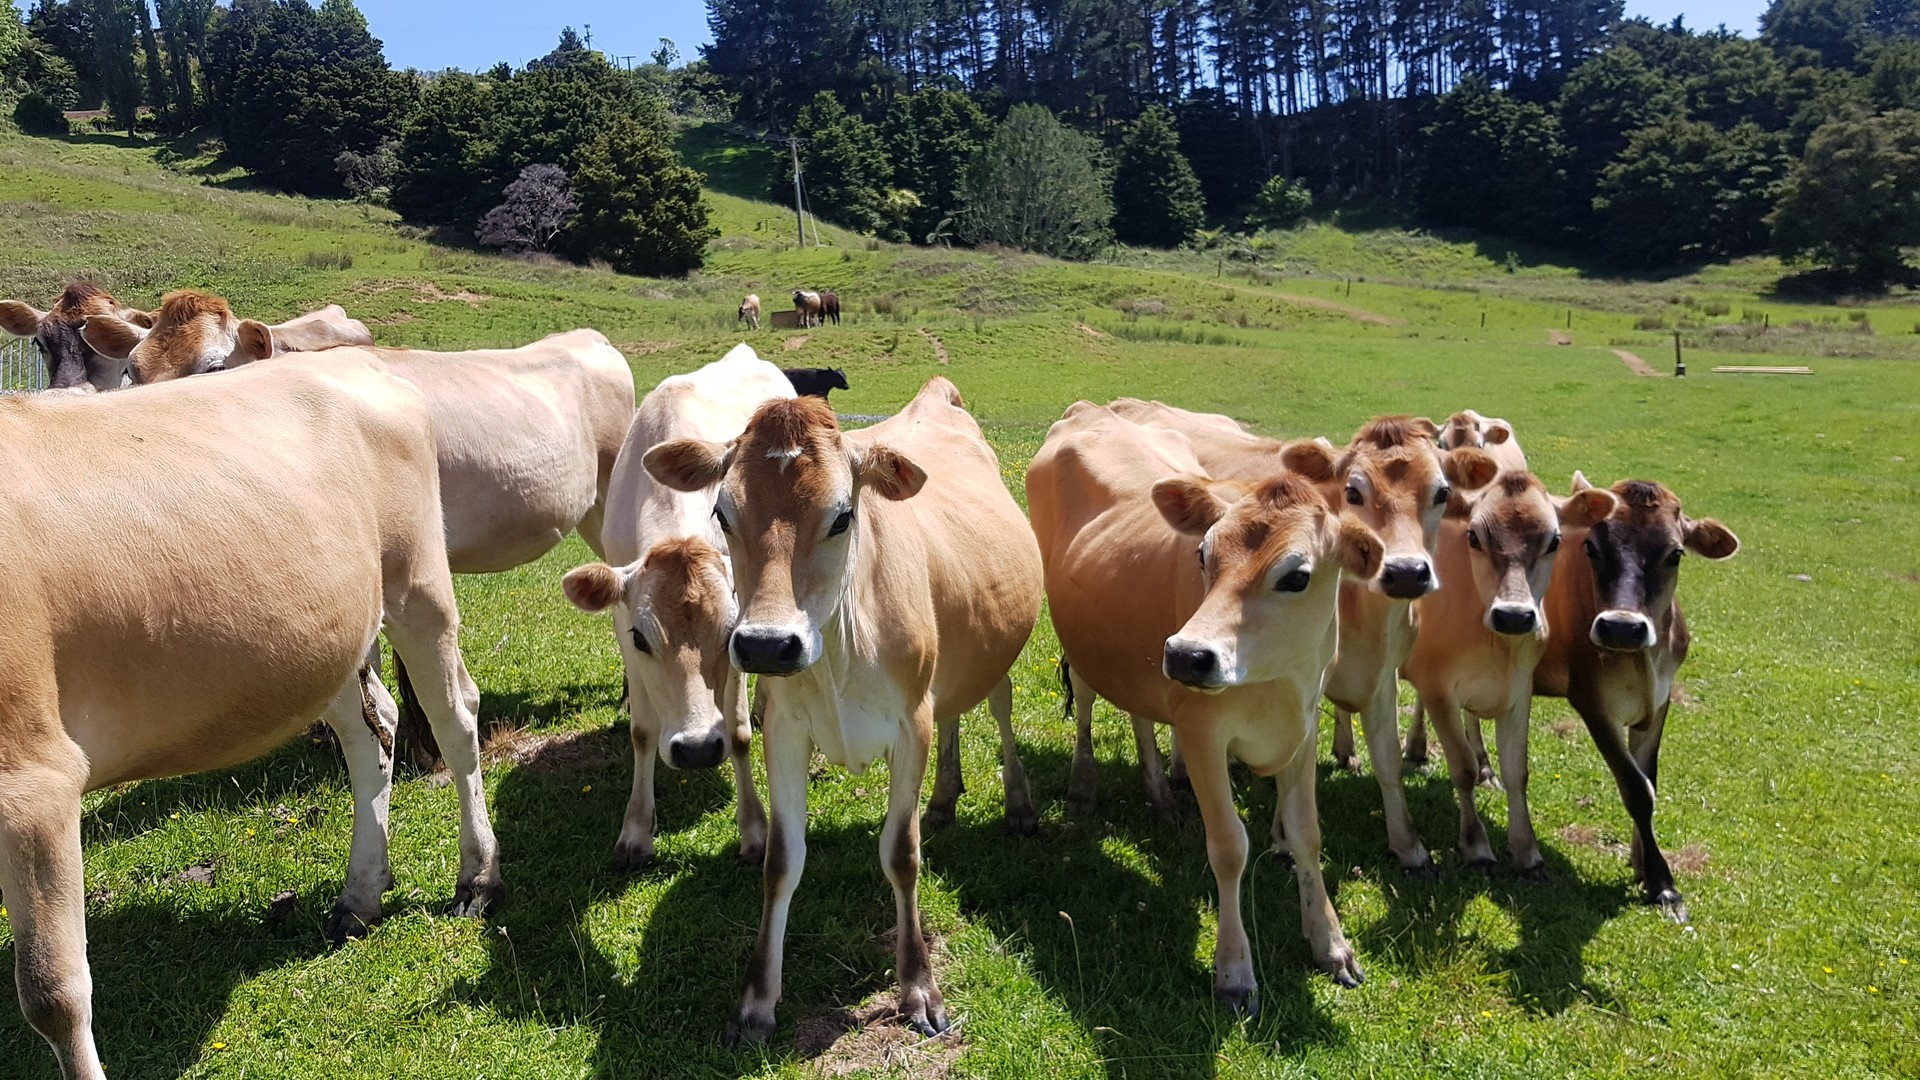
(1792, 761)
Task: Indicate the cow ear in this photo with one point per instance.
(688, 464)
(1459, 505)
(19, 319)
(1709, 538)
(1585, 508)
(140, 318)
(1188, 504)
(112, 337)
(1425, 426)
(255, 342)
(1580, 481)
(1498, 431)
(595, 586)
(1357, 548)
(890, 473)
(1469, 467)
(1311, 458)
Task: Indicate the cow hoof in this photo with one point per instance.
(1022, 822)
(1537, 873)
(1238, 1000)
(630, 857)
(924, 1013)
(937, 817)
(344, 924)
(1344, 970)
(750, 854)
(473, 900)
(1421, 764)
(1420, 871)
(748, 1029)
(1349, 763)
(1670, 905)
(1490, 781)
(1179, 781)
(1482, 865)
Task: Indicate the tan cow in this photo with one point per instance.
(280, 518)
(750, 311)
(190, 335)
(1495, 436)
(71, 363)
(1229, 647)
(807, 305)
(1481, 634)
(887, 583)
(527, 437)
(1619, 639)
(671, 593)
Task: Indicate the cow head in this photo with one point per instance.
(1635, 554)
(790, 493)
(1271, 557)
(672, 613)
(836, 378)
(1469, 428)
(1393, 478)
(1513, 530)
(72, 363)
(192, 332)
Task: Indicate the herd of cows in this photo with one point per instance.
(881, 582)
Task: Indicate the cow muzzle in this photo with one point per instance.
(1622, 631)
(772, 650)
(1513, 619)
(1195, 665)
(1407, 577)
(696, 750)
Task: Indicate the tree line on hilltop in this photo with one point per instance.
(1062, 126)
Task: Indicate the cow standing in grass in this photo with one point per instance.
(816, 382)
(750, 311)
(806, 303)
(830, 307)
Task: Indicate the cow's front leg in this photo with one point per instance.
(1206, 757)
(1318, 920)
(1380, 723)
(364, 718)
(786, 745)
(634, 848)
(1444, 712)
(920, 1002)
(748, 814)
(1510, 739)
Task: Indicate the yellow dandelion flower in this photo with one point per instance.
(175, 816)
(249, 832)
(1828, 970)
(1485, 1015)
(586, 789)
(219, 1046)
(1873, 989)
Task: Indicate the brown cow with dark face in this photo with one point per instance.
(1618, 639)
(71, 362)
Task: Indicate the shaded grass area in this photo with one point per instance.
(1082, 951)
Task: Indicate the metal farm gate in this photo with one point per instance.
(21, 367)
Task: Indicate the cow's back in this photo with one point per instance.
(187, 546)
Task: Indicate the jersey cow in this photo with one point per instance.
(195, 332)
(887, 583)
(72, 364)
(670, 589)
(285, 515)
(1623, 642)
(527, 438)
(749, 312)
(807, 305)
(1207, 604)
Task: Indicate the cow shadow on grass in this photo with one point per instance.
(288, 777)
(162, 977)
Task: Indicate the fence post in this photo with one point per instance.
(1679, 362)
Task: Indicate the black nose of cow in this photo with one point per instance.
(687, 751)
(1622, 632)
(1406, 579)
(1192, 665)
(1512, 619)
(761, 651)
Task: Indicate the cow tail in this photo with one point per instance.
(1066, 687)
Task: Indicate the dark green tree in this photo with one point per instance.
(1493, 162)
(640, 207)
(1039, 185)
(113, 37)
(156, 72)
(1683, 191)
(930, 136)
(1280, 204)
(1156, 198)
(844, 166)
(1834, 29)
(65, 27)
(1893, 74)
(1218, 141)
(1601, 105)
(1853, 203)
(184, 25)
(449, 152)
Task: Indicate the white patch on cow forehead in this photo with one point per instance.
(784, 455)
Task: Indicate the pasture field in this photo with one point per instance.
(1791, 771)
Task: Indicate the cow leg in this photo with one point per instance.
(1644, 744)
(748, 814)
(1177, 768)
(1083, 786)
(948, 784)
(414, 737)
(1476, 738)
(634, 848)
(786, 747)
(1343, 755)
(1510, 735)
(363, 716)
(1416, 755)
(1380, 723)
(1021, 817)
(1146, 742)
(1318, 919)
(42, 881)
(1206, 756)
(1444, 712)
(425, 629)
(1636, 792)
(1278, 833)
(920, 1002)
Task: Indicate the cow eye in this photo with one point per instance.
(1201, 551)
(1593, 548)
(1553, 544)
(1440, 496)
(1354, 498)
(1473, 540)
(1673, 557)
(1295, 581)
(725, 525)
(640, 642)
(841, 524)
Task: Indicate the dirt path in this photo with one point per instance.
(939, 350)
(1559, 337)
(1372, 318)
(1634, 363)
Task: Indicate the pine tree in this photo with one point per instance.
(1038, 185)
(640, 208)
(844, 164)
(113, 34)
(1156, 197)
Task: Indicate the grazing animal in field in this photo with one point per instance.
(190, 334)
(284, 516)
(670, 588)
(750, 311)
(887, 583)
(816, 381)
(72, 364)
(1481, 634)
(1206, 604)
(1617, 642)
(527, 438)
(830, 306)
(807, 304)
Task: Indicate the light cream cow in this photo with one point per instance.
(1209, 605)
(887, 583)
(190, 334)
(670, 589)
(270, 524)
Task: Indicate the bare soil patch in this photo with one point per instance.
(873, 1039)
(794, 342)
(1634, 363)
(1098, 335)
(939, 350)
(1559, 337)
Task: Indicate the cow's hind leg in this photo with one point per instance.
(1083, 783)
(1416, 755)
(41, 880)
(425, 628)
(948, 784)
(413, 739)
(363, 716)
(1343, 751)
(1021, 817)
(1147, 743)
(920, 1002)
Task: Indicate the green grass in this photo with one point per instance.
(1792, 767)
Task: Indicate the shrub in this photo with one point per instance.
(535, 209)
(38, 116)
(1038, 185)
(1281, 204)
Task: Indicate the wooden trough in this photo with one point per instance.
(1791, 369)
(784, 320)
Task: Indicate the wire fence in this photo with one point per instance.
(21, 367)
